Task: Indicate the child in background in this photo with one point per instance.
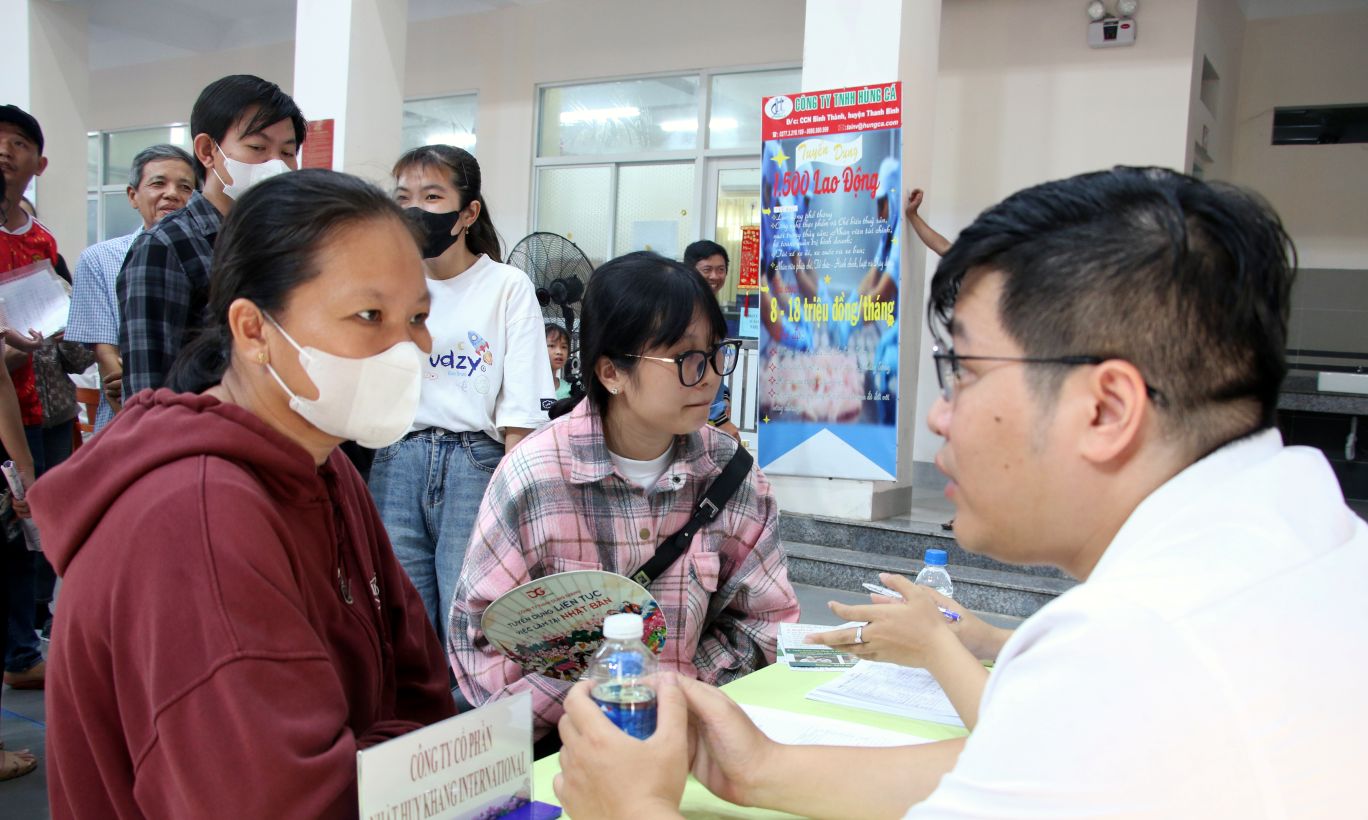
(558, 350)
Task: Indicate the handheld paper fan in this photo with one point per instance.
(553, 625)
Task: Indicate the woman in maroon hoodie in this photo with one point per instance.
(233, 626)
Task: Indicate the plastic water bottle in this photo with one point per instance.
(622, 670)
(934, 574)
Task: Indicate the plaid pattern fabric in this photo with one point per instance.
(163, 290)
(556, 504)
(94, 315)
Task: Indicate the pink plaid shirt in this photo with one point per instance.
(556, 504)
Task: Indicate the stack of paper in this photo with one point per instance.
(891, 689)
(34, 297)
(800, 730)
(812, 656)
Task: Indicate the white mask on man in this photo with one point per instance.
(245, 174)
(371, 401)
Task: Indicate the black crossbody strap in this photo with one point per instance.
(714, 499)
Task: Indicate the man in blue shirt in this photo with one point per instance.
(711, 261)
(160, 182)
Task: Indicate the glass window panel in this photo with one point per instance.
(92, 221)
(93, 161)
(576, 203)
(120, 218)
(627, 116)
(441, 121)
(735, 118)
(738, 206)
(654, 204)
(122, 146)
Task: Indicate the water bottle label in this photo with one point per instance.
(632, 708)
(625, 664)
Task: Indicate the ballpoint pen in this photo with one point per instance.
(950, 615)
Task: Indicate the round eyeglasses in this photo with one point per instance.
(693, 364)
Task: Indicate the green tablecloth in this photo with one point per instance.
(777, 687)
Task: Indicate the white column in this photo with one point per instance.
(44, 69)
(858, 42)
(349, 68)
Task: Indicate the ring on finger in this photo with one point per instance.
(859, 634)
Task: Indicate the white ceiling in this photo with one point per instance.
(127, 32)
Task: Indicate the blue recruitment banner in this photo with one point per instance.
(831, 191)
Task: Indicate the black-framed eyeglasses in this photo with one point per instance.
(693, 364)
(949, 372)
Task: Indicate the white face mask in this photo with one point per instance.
(371, 401)
(245, 175)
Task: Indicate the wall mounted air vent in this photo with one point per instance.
(1322, 125)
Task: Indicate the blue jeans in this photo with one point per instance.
(22, 649)
(50, 446)
(28, 575)
(428, 488)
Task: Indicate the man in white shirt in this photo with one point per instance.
(1107, 408)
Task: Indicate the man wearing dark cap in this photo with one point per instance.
(23, 241)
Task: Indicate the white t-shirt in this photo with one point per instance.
(488, 368)
(1212, 666)
(643, 474)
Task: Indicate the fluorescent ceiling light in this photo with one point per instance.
(584, 115)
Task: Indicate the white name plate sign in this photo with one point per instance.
(476, 764)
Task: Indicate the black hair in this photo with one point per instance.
(558, 331)
(225, 100)
(267, 248)
(464, 172)
(1187, 280)
(155, 153)
(703, 249)
(634, 303)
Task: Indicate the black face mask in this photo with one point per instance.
(436, 229)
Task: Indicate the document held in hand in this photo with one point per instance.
(16, 485)
(34, 297)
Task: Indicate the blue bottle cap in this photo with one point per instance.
(936, 558)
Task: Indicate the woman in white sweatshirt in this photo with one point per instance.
(486, 384)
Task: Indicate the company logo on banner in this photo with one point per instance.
(778, 108)
(829, 281)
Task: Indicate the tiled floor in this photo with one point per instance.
(21, 726)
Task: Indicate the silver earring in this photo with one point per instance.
(613, 390)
